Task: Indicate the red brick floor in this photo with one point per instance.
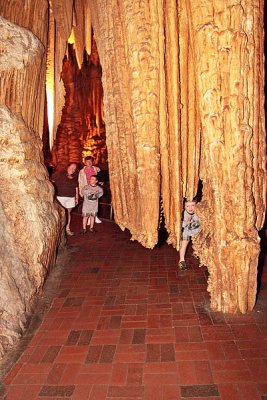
(126, 324)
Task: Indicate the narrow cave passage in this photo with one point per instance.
(82, 130)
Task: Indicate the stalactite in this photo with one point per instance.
(190, 118)
(172, 186)
(87, 27)
(132, 115)
(60, 23)
(50, 79)
(82, 29)
(82, 130)
(209, 107)
(228, 214)
(63, 14)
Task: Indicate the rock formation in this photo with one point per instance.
(30, 222)
(183, 102)
(184, 97)
(81, 131)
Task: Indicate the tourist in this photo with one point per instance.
(84, 177)
(66, 184)
(190, 227)
(91, 194)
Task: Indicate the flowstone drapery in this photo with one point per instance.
(193, 76)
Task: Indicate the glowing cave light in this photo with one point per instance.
(71, 39)
(50, 97)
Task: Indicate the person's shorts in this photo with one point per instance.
(88, 214)
(185, 236)
(67, 202)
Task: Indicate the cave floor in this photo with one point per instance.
(125, 323)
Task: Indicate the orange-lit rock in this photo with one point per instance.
(185, 101)
(81, 131)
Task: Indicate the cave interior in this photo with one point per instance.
(168, 99)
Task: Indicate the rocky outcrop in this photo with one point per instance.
(30, 222)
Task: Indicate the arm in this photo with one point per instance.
(54, 177)
(100, 191)
(186, 219)
(81, 181)
(77, 195)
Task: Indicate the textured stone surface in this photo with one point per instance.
(81, 131)
(232, 147)
(185, 101)
(30, 223)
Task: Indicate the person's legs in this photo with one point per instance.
(182, 251)
(97, 220)
(69, 232)
(68, 203)
(85, 218)
(183, 248)
(92, 222)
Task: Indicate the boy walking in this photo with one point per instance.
(90, 193)
(190, 227)
(84, 177)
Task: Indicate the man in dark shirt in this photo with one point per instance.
(66, 184)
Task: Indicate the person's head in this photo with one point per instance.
(93, 180)
(89, 161)
(71, 168)
(190, 205)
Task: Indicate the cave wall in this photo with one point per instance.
(30, 223)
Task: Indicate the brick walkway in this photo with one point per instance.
(124, 323)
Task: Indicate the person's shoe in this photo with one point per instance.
(69, 232)
(182, 265)
(92, 230)
(97, 220)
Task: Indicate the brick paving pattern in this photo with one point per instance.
(125, 323)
